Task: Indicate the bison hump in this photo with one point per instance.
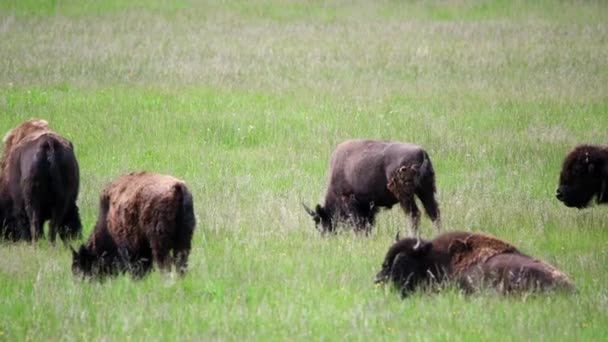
(477, 248)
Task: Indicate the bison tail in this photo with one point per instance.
(185, 220)
(44, 169)
(56, 181)
(185, 223)
(426, 174)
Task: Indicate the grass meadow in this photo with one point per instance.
(246, 100)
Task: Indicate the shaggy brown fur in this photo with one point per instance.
(476, 248)
(39, 182)
(513, 272)
(143, 217)
(473, 260)
(366, 175)
(584, 175)
(30, 129)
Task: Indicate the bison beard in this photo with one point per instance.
(472, 260)
(584, 175)
(367, 175)
(143, 218)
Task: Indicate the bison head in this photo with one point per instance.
(83, 261)
(321, 216)
(407, 264)
(584, 175)
(87, 263)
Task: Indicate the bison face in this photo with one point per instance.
(322, 218)
(406, 265)
(580, 179)
(83, 261)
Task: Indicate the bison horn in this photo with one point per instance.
(308, 210)
(397, 236)
(417, 245)
(73, 250)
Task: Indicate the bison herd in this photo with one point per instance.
(147, 218)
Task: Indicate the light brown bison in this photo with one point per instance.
(584, 175)
(39, 182)
(366, 175)
(472, 260)
(143, 217)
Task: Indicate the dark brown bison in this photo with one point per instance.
(143, 217)
(39, 182)
(584, 175)
(472, 260)
(366, 175)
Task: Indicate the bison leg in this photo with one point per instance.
(181, 250)
(180, 258)
(22, 226)
(56, 218)
(159, 243)
(360, 214)
(70, 227)
(52, 231)
(162, 258)
(414, 213)
(427, 197)
(35, 226)
(56, 222)
(402, 185)
(35, 221)
(32, 208)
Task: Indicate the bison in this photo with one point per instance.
(472, 260)
(39, 181)
(143, 217)
(366, 175)
(584, 175)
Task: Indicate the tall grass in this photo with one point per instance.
(246, 102)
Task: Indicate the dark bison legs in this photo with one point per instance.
(180, 257)
(168, 250)
(56, 221)
(161, 248)
(71, 226)
(427, 197)
(32, 210)
(181, 250)
(360, 214)
(402, 185)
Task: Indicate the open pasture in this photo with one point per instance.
(246, 100)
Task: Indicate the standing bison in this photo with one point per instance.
(143, 217)
(472, 260)
(584, 175)
(366, 175)
(38, 182)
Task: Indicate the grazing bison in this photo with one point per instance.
(584, 175)
(366, 175)
(38, 182)
(473, 260)
(142, 218)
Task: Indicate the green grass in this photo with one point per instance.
(246, 102)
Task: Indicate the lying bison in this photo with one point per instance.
(366, 175)
(38, 182)
(143, 217)
(584, 175)
(472, 260)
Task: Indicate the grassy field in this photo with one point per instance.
(246, 100)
